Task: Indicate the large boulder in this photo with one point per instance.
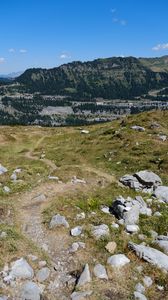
(144, 181)
(151, 255)
(21, 269)
(148, 178)
(161, 193)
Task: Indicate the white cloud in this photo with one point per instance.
(23, 51)
(65, 55)
(160, 47)
(11, 50)
(2, 60)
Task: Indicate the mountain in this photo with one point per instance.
(109, 78)
(11, 75)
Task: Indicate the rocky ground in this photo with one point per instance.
(84, 212)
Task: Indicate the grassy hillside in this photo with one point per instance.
(107, 152)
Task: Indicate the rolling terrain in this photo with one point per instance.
(75, 172)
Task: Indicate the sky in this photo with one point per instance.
(48, 33)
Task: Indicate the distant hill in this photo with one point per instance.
(109, 78)
(157, 64)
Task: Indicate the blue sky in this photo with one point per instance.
(47, 33)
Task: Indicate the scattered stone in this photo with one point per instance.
(13, 177)
(42, 263)
(30, 291)
(39, 198)
(100, 272)
(161, 193)
(151, 255)
(132, 228)
(3, 235)
(162, 137)
(153, 234)
(85, 277)
(132, 216)
(53, 178)
(2, 170)
(80, 216)
(111, 247)
(100, 231)
(140, 288)
(76, 180)
(76, 246)
(76, 231)
(21, 269)
(147, 281)
(58, 221)
(43, 274)
(85, 131)
(80, 295)
(138, 128)
(162, 242)
(160, 288)
(139, 296)
(157, 214)
(105, 209)
(139, 269)
(115, 226)
(32, 257)
(118, 260)
(6, 189)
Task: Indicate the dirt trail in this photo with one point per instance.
(31, 205)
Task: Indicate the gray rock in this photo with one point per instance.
(30, 291)
(118, 260)
(76, 180)
(42, 263)
(3, 298)
(140, 288)
(81, 216)
(161, 193)
(132, 182)
(151, 255)
(39, 198)
(85, 277)
(58, 221)
(2, 170)
(115, 226)
(132, 216)
(84, 131)
(13, 177)
(80, 295)
(139, 296)
(162, 242)
(100, 231)
(43, 274)
(76, 231)
(105, 209)
(3, 235)
(138, 128)
(147, 281)
(100, 272)
(21, 269)
(162, 137)
(148, 178)
(132, 228)
(76, 246)
(153, 234)
(6, 189)
(157, 214)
